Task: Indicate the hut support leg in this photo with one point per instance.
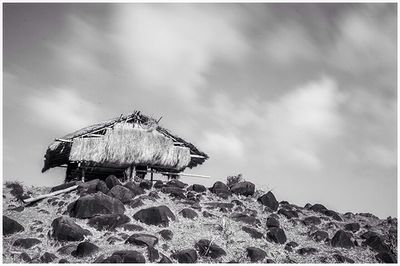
(151, 175)
(130, 172)
(83, 175)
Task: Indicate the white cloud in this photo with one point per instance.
(62, 109)
(223, 145)
(171, 47)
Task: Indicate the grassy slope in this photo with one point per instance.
(221, 229)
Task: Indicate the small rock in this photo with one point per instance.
(65, 229)
(252, 232)
(152, 254)
(176, 183)
(112, 239)
(135, 189)
(188, 213)
(132, 227)
(209, 249)
(237, 202)
(154, 195)
(126, 256)
(165, 259)
(135, 203)
(272, 222)
(289, 214)
(146, 184)
(255, 254)
(206, 214)
(198, 188)
(25, 257)
(63, 261)
(67, 249)
(185, 256)
(142, 240)
(269, 200)
(166, 234)
(320, 235)
(26, 242)
(158, 184)
(311, 220)
(241, 217)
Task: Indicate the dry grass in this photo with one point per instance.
(126, 144)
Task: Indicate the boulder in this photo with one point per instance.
(269, 200)
(65, 229)
(277, 235)
(11, 226)
(353, 227)
(166, 234)
(88, 187)
(125, 256)
(241, 217)
(185, 256)
(67, 249)
(342, 259)
(25, 257)
(342, 239)
(377, 243)
(386, 257)
(85, 249)
(176, 183)
(47, 257)
(63, 261)
(160, 215)
(142, 240)
(145, 184)
(152, 254)
(221, 189)
(368, 234)
(307, 251)
(311, 220)
(108, 221)
(26, 242)
(94, 204)
(102, 187)
(121, 193)
(188, 213)
(252, 232)
(272, 222)
(333, 214)
(255, 254)
(112, 181)
(132, 227)
(158, 184)
(209, 249)
(318, 208)
(198, 188)
(244, 188)
(289, 214)
(320, 235)
(135, 189)
(206, 214)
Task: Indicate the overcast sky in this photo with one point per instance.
(299, 98)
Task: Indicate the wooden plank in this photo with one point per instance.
(180, 174)
(197, 156)
(64, 140)
(30, 200)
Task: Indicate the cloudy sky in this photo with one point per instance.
(299, 98)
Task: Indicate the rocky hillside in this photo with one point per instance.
(173, 222)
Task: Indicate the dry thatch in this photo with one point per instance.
(125, 145)
(114, 139)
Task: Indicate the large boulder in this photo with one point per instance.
(252, 232)
(85, 249)
(342, 239)
(255, 254)
(112, 181)
(95, 204)
(188, 213)
(277, 235)
(386, 257)
(11, 226)
(26, 242)
(65, 229)
(121, 193)
(333, 214)
(272, 222)
(160, 215)
(244, 188)
(269, 200)
(221, 190)
(318, 208)
(142, 240)
(108, 221)
(209, 249)
(185, 256)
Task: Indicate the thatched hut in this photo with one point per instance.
(121, 146)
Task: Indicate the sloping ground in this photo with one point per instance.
(232, 228)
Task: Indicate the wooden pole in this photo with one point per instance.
(50, 194)
(151, 175)
(180, 174)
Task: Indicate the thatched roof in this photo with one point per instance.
(129, 139)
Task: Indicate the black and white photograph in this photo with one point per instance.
(181, 132)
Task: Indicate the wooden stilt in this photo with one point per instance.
(83, 174)
(151, 175)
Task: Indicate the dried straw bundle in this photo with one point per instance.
(125, 144)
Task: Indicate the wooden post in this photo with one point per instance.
(83, 174)
(151, 175)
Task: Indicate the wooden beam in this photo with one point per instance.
(50, 194)
(197, 156)
(172, 173)
(64, 140)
